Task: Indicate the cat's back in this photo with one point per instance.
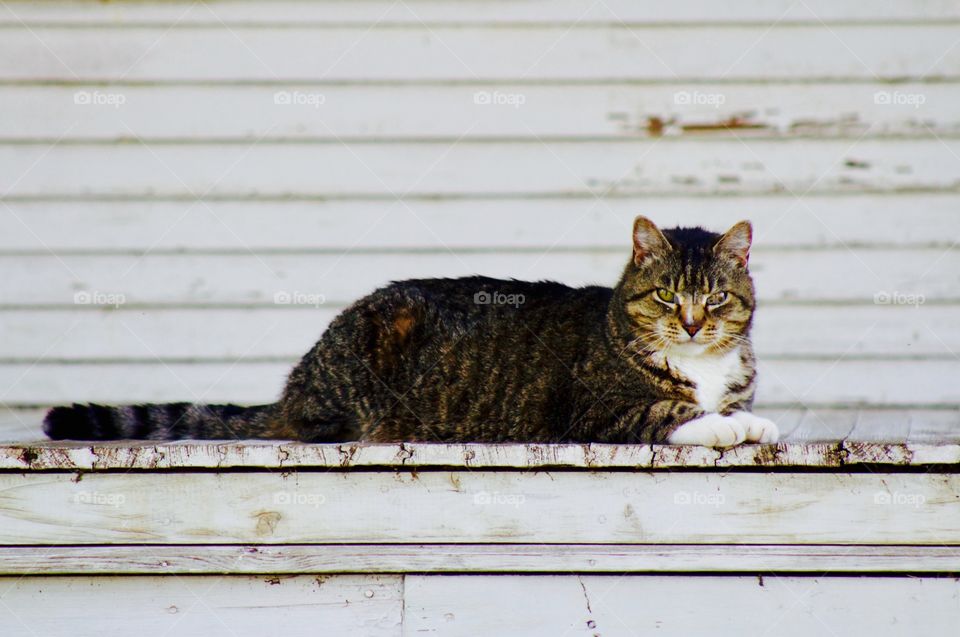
(479, 298)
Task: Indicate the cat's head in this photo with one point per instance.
(687, 290)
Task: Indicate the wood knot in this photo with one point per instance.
(267, 523)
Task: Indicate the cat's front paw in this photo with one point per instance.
(710, 430)
(758, 429)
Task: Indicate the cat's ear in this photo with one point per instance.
(648, 241)
(735, 242)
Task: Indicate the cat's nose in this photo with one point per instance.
(692, 328)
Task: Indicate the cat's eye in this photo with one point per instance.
(717, 298)
(666, 295)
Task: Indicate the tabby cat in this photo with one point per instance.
(664, 356)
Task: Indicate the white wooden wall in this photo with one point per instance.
(482, 540)
(149, 164)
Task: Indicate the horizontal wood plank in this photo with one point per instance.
(194, 606)
(903, 277)
(795, 451)
(832, 381)
(725, 166)
(159, 227)
(479, 506)
(557, 52)
(218, 334)
(516, 111)
(674, 606)
(472, 558)
(417, 12)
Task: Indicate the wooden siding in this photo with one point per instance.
(294, 606)
(479, 506)
(264, 559)
(488, 605)
(158, 194)
(676, 606)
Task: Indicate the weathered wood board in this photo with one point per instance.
(832, 439)
(663, 605)
(297, 53)
(479, 506)
(466, 225)
(193, 559)
(908, 277)
(517, 168)
(500, 605)
(396, 112)
(418, 12)
(158, 606)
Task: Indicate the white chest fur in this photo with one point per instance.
(710, 374)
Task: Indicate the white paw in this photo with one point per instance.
(758, 429)
(709, 430)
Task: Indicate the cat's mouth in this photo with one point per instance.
(690, 347)
(691, 344)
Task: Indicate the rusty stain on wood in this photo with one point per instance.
(655, 126)
(733, 123)
(658, 126)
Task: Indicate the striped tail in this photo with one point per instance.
(170, 421)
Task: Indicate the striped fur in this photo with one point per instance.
(170, 421)
(479, 359)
